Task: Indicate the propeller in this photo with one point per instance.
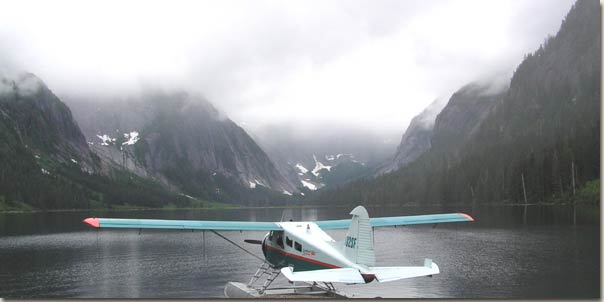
(252, 241)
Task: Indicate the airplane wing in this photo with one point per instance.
(181, 224)
(341, 275)
(265, 226)
(398, 220)
(387, 274)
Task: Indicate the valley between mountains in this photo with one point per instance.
(534, 138)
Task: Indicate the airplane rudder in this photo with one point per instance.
(358, 244)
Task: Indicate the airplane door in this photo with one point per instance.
(273, 249)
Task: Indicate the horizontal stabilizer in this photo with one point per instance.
(341, 275)
(387, 274)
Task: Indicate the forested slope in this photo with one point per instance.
(544, 131)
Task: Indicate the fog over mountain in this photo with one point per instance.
(368, 64)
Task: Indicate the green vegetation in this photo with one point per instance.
(7, 206)
(345, 172)
(590, 193)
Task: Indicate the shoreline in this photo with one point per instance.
(236, 207)
(166, 209)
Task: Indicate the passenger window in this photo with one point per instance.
(288, 241)
(298, 247)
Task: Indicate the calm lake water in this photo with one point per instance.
(509, 252)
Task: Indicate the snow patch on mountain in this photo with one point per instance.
(309, 185)
(131, 137)
(255, 183)
(319, 166)
(105, 139)
(302, 169)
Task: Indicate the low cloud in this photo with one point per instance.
(24, 84)
(370, 63)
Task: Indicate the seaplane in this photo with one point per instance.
(303, 251)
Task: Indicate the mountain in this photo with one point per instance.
(181, 141)
(38, 137)
(162, 149)
(463, 115)
(446, 125)
(41, 121)
(321, 156)
(416, 140)
(538, 142)
(45, 162)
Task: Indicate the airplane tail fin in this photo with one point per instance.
(358, 244)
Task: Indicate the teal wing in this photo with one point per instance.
(181, 224)
(398, 220)
(334, 224)
(266, 226)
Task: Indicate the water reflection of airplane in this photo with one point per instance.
(302, 251)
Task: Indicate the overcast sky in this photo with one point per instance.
(375, 63)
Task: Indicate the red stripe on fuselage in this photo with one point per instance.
(302, 258)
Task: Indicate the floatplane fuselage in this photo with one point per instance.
(304, 246)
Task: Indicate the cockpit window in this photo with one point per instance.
(279, 239)
(298, 247)
(288, 241)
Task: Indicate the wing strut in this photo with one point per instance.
(203, 234)
(237, 245)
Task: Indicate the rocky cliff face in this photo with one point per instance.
(416, 140)
(46, 163)
(445, 125)
(41, 145)
(42, 122)
(463, 114)
(183, 141)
